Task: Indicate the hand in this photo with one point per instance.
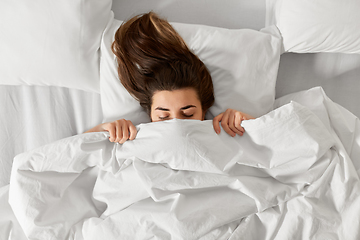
(231, 122)
(120, 130)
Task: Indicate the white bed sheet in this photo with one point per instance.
(32, 116)
(338, 74)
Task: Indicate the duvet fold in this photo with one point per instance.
(177, 180)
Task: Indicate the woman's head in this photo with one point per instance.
(152, 57)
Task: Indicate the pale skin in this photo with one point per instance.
(179, 104)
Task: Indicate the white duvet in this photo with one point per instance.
(293, 175)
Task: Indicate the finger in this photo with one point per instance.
(125, 133)
(111, 129)
(118, 132)
(133, 131)
(238, 126)
(225, 124)
(232, 118)
(216, 123)
(238, 120)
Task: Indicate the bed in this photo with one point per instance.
(293, 175)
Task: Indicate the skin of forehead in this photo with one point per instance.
(175, 100)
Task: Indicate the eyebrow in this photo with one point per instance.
(187, 107)
(162, 109)
(183, 108)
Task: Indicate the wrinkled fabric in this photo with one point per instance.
(177, 180)
(293, 175)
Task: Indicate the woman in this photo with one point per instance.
(157, 68)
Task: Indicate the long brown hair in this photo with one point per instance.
(152, 57)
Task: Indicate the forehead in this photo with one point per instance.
(175, 98)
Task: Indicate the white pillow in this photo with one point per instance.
(316, 26)
(52, 42)
(243, 65)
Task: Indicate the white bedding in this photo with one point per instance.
(92, 196)
(32, 116)
(337, 73)
(292, 176)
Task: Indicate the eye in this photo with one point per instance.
(163, 118)
(185, 115)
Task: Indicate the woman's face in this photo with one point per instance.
(180, 104)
